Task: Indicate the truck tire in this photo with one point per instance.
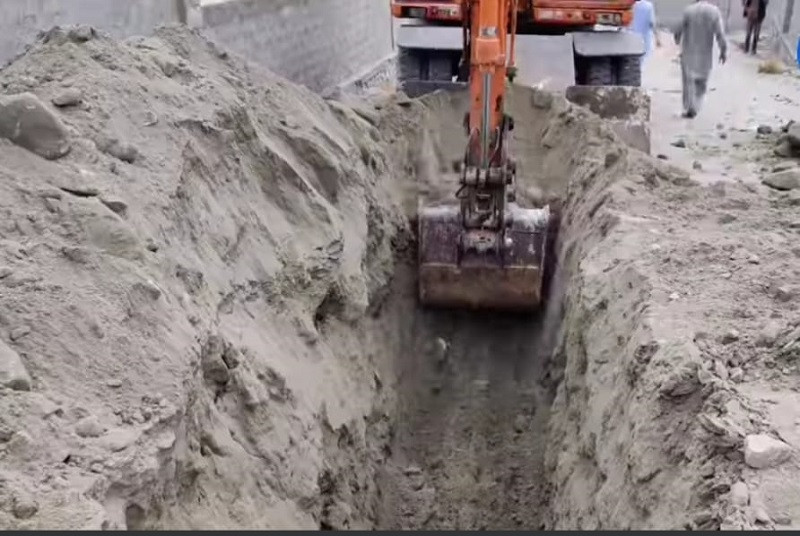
(408, 65)
(598, 71)
(440, 67)
(628, 71)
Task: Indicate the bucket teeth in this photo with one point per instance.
(475, 269)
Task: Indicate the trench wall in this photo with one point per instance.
(319, 43)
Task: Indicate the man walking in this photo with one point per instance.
(755, 11)
(702, 23)
(644, 23)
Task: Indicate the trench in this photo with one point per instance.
(470, 437)
(473, 388)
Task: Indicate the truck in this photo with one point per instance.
(559, 43)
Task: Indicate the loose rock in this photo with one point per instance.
(24, 506)
(783, 180)
(762, 451)
(12, 371)
(25, 121)
(68, 97)
(19, 332)
(119, 149)
(732, 335)
(89, 427)
(764, 129)
(116, 205)
(739, 494)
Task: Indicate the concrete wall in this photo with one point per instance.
(314, 42)
(669, 12)
(319, 43)
(21, 20)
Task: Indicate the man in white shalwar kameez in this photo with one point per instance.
(702, 22)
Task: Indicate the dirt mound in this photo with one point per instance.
(166, 285)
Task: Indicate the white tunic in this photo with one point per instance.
(702, 22)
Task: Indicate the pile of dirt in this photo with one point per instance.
(172, 282)
(208, 315)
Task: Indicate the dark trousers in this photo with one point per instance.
(753, 31)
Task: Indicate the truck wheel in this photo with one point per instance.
(440, 67)
(628, 71)
(408, 65)
(598, 72)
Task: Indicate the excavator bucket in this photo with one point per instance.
(508, 278)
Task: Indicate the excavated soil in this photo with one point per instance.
(208, 314)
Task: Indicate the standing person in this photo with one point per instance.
(644, 23)
(701, 24)
(755, 11)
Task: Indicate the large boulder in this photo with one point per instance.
(27, 122)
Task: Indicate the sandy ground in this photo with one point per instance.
(739, 100)
(208, 311)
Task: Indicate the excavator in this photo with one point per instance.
(485, 251)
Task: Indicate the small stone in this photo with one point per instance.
(151, 245)
(119, 149)
(68, 97)
(5, 271)
(725, 275)
(520, 423)
(81, 33)
(732, 335)
(753, 259)
(726, 218)
(782, 518)
(77, 254)
(89, 427)
(148, 288)
(13, 374)
(769, 334)
(761, 515)
(118, 206)
(723, 135)
(19, 332)
(737, 375)
(739, 494)
(114, 383)
(764, 129)
(784, 294)
(783, 180)
(24, 506)
(674, 296)
(762, 451)
(662, 156)
(412, 470)
(679, 143)
(120, 439)
(697, 165)
(442, 349)
(720, 370)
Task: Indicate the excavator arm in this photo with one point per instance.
(487, 252)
